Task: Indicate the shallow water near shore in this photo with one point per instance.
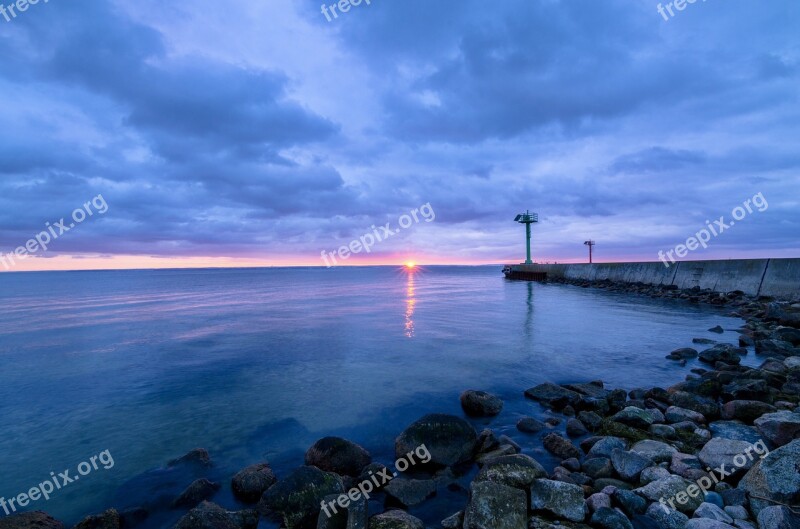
(258, 364)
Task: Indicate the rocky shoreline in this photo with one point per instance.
(720, 450)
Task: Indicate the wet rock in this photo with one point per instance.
(516, 470)
(561, 499)
(703, 341)
(778, 517)
(575, 428)
(709, 510)
(775, 477)
(746, 389)
(630, 502)
(706, 523)
(734, 430)
(211, 516)
(717, 329)
(559, 446)
(487, 442)
(737, 497)
(598, 467)
(530, 425)
(199, 491)
(668, 488)
(736, 512)
(449, 439)
(591, 420)
(651, 474)
(777, 348)
(687, 466)
(107, 520)
(655, 450)
(634, 417)
(542, 522)
(30, 520)
(553, 395)
(746, 411)
(133, 517)
(334, 454)
(571, 464)
(722, 353)
(719, 451)
(395, 520)
(606, 518)
(684, 353)
(605, 446)
(480, 404)
(663, 430)
(296, 499)
(666, 517)
(779, 428)
(675, 414)
(197, 457)
(598, 500)
(250, 483)
(455, 521)
(629, 464)
(552, 422)
(702, 405)
(495, 506)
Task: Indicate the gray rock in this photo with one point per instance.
(211, 516)
(561, 499)
(606, 518)
(669, 488)
(455, 521)
(676, 414)
(630, 502)
(480, 404)
(687, 466)
(655, 450)
(651, 474)
(449, 439)
(395, 520)
(778, 517)
(719, 451)
(495, 506)
(197, 457)
(591, 420)
(779, 428)
(634, 417)
(666, 517)
(734, 430)
(334, 454)
(775, 477)
(709, 510)
(553, 395)
(707, 523)
(250, 483)
(297, 497)
(30, 520)
(200, 490)
(559, 446)
(736, 512)
(410, 492)
(663, 430)
(575, 428)
(684, 353)
(516, 470)
(530, 425)
(605, 446)
(598, 467)
(597, 501)
(107, 520)
(629, 464)
(734, 497)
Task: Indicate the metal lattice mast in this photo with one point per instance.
(590, 243)
(527, 219)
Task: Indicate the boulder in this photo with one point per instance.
(334, 454)
(559, 498)
(733, 454)
(630, 502)
(655, 450)
(634, 417)
(553, 395)
(778, 517)
(516, 470)
(779, 428)
(775, 477)
(606, 518)
(666, 517)
(605, 446)
(480, 404)
(629, 464)
(410, 492)
(455, 521)
(591, 420)
(530, 425)
(676, 414)
(687, 466)
(722, 353)
(734, 430)
(651, 474)
(107, 520)
(575, 428)
(559, 446)
(395, 520)
(598, 500)
(746, 411)
(449, 439)
(30, 520)
(297, 498)
(709, 510)
(703, 405)
(495, 506)
(212, 516)
(668, 489)
(706, 523)
(250, 483)
(598, 467)
(198, 491)
(197, 457)
(683, 353)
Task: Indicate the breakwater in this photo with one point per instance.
(777, 278)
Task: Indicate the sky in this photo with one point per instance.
(243, 133)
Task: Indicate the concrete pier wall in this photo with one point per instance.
(779, 278)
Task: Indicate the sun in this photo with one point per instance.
(411, 265)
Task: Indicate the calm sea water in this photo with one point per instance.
(258, 364)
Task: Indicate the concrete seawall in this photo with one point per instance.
(779, 278)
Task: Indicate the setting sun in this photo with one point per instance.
(411, 264)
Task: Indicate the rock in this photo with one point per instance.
(297, 498)
(787, 334)
(709, 510)
(395, 520)
(200, 490)
(598, 467)
(666, 517)
(732, 454)
(779, 428)
(776, 348)
(553, 395)
(775, 477)
(495, 506)
(675, 414)
(655, 450)
(107, 520)
(687, 466)
(746, 389)
(644, 522)
(455, 521)
(706, 523)
(334, 454)
(606, 518)
(634, 417)
(702, 405)
(30, 520)
(663, 430)
(746, 411)
(250, 483)
(529, 425)
(733, 496)
(132, 517)
(713, 497)
(717, 329)
(196, 457)
(605, 446)
(792, 362)
(562, 499)
(734, 430)
(629, 464)
(212, 516)
(668, 489)
(410, 492)
(630, 502)
(591, 420)
(516, 470)
(449, 439)
(542, 522)
(778, 517)
(575, 428)
(598, 500)
(722, 352)
(571, 464)
(736, 512)
(684, 353)
(651, 474)
(703, 341)
(559, 446)
(504, 450)
(480, 404)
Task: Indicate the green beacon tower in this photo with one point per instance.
(527, 219)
